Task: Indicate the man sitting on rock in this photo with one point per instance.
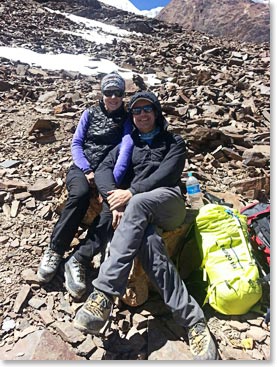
(149, 202)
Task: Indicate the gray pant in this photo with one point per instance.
(138, 234)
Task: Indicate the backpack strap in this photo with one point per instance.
(242, 237)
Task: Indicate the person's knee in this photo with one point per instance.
(81, 195)
(136, 201)
(139, 206)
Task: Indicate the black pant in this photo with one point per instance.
(75, 208)
(98, 235)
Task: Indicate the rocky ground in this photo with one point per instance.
(214, 92)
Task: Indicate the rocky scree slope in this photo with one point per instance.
(214, 92)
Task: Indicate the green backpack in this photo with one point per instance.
(233, 277)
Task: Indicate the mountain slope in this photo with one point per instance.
(238, 19)
(214, 92)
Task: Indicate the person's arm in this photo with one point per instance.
(77, 151)
(169, 171)
(125, 153)
(163, 176)
(124, 158)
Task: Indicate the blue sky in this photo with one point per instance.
(149, 4)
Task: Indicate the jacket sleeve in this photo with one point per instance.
(169, 171)
(104, 178)
(124, 158)
(77, 150)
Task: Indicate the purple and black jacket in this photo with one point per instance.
(97, 133)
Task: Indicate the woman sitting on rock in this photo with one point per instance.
(100, 129)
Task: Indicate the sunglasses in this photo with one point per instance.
(116, 93)
(147, 109)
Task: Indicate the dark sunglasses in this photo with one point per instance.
(116, 93)
(147, 109)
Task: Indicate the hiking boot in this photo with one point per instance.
(75, 278)
(48, 266)
(94, 313)
(201, 343)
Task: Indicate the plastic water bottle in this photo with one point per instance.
(194, 192)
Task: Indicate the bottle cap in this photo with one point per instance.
(190, 174)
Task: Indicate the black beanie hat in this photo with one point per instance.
(113, 80)
(153, 99)
(148, 96)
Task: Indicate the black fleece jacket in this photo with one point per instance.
(158, 165)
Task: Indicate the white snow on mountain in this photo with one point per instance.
(128, 6)
(95, 31)
(152, 13)
(91, 30)
(123, 5)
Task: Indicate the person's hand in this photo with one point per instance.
(90, 178)
(118, 198)
(117, 215)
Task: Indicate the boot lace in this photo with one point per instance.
(97, 304)
(52, 259)
(79, 270)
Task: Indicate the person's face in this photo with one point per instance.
(112, 99)
(144, 120)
